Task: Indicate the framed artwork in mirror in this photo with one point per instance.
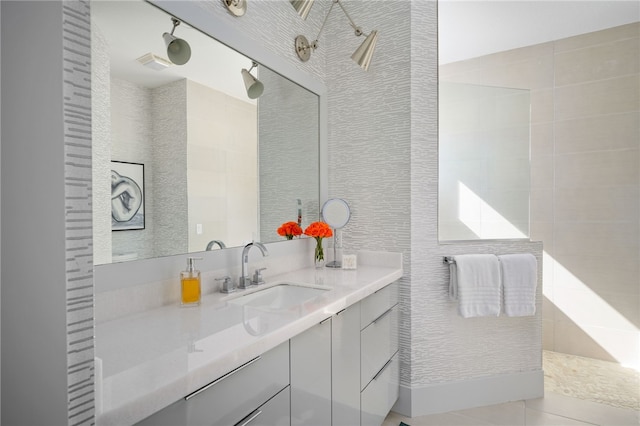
(127, 196)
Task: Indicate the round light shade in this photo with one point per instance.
(178, 50)
(254, 86)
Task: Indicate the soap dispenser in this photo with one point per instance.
(190, 284)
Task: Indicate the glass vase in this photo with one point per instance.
(318, 257)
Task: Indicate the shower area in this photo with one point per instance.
(575, 187)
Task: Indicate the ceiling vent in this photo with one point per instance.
(154, 62)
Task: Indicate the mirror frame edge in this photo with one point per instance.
(232, 37)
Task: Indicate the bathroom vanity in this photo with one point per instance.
(312, 346)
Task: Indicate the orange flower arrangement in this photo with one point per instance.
(318, 230)
(289, 230)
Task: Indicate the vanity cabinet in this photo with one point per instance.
(311, 376)
(234, 397)
(343, 371)
(379, 336)
(274, 412)
(381, 394)
(379, 369)
(365, 376)
(345, 374)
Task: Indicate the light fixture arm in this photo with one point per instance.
(176, 22)
(314, 44)
(253, 65)
(362, 55)
(356, 28)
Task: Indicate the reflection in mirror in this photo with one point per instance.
(218, 165)
(483, 162)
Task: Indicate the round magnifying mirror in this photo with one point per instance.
(336, 214)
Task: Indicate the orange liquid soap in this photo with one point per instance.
(190, 284)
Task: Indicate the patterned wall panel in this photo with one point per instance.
(424, 178)
(370, 140)
(101, 146)
(383, 159)
(78, 222)
(169, 140)
(132, 141)
(444, 347)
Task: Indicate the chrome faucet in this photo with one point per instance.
(245, 281)
(213, 243)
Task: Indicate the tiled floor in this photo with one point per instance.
(578, 391)
(591, 379)
(553, 409)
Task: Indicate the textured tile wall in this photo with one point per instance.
(168, 208)
(383, 159)
(370, 136)
(76, 56)
(131, 141)
(100, 147)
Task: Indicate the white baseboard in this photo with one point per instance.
(442, 398)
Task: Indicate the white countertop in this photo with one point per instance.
(150, 360)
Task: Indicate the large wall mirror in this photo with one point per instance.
(208, 163)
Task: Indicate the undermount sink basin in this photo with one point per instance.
(280, 296)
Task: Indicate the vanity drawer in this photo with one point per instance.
(376, 304)
(381, 394)
(274, 412)
(379, 341)
(230, 398)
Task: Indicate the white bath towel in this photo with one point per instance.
(475, 283)
(519, 280)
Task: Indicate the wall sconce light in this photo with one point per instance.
(178, 50)
(363, 54)
(303, 7)
(236, 7)
(253, 85)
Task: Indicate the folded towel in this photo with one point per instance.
(519, 279)
(475, 283)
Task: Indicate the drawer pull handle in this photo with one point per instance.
(325, 320)
(250, 419)
(382, 315)
(384, 367)
(221, 378)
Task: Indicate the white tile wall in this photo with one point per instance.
(585, 183)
